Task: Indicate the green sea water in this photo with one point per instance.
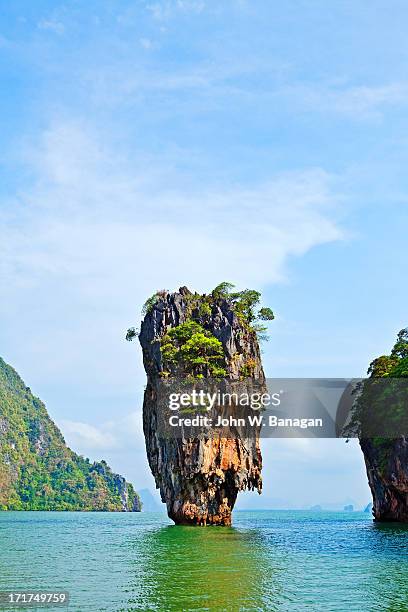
(269, 560)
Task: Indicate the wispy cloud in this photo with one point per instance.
(88, 193)
(146, 43)
(164, 9)
(251, 83)
(356, 102)
(51, 24)
(113, 435)
(99, 232)
(84, 436)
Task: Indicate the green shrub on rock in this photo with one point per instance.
(194, 348)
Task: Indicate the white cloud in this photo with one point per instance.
(146, 43)
(84, 436)
(98, 232)
(52, 25)
(223, 81)
(359, 102)
(121, 433)
(166, 8)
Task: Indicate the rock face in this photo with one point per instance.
(383, 403)
(37, 469)
(387, 470)
(199, 478)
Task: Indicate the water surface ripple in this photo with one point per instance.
(269, 560)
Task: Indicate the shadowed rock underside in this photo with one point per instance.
(387, 472)
(386, 458)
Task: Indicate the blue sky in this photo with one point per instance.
(148, 145)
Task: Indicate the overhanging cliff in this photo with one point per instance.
(384, 405)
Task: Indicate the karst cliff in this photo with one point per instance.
(187, 336)
(37, 469)
(385, 408)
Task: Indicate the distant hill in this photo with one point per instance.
(38, 471)
(248, 501)
(149, 502)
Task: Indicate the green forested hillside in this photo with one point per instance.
(38, 471)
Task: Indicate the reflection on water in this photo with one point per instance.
(391, 529)
(190, 568)
(389, 580)
(270, 560)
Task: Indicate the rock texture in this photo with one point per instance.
(381, 409)
(37, 469)
(387, 470)
(199, 478)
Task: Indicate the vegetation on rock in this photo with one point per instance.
(195, 349)
(381, 403)
(381, 418)
(245, 305)
(38, 471)
(186, 336)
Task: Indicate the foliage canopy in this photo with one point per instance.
(194, 348)
(381, 402)
(37, 470)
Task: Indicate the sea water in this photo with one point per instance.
(269, 560)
